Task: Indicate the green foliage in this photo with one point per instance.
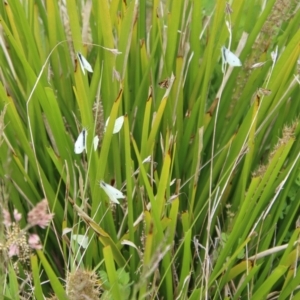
(122, 281)
(208, 161)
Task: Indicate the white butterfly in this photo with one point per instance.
(118, 124)
(274, 54)
(112, 192)
(229, 58)
(95, 142)
(84, 64)
(258, 65)
(82, 240)
(80, 144)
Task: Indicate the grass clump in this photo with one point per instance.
(185, 181)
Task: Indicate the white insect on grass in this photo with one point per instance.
(229, 58)
(80, 144)
(274, 54)
(258, 65)
(112, 192)
(117, 126)
(84, 64)
(82, 240)
(96, 142)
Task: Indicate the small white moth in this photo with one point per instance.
(84, 64)
(118, 124)
(112, 192)
(229, 58)
(80, 144)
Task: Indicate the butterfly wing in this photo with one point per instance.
(82, 240)
(117, 126)
(80, 144)
(112, 192)
(96, 142)
(231, 58)
(84, 64)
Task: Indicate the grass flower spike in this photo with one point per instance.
(18, 242)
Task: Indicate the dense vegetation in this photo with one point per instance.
(195, 195)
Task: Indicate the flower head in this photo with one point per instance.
(6, 218)
(34, 241)
(39, 215)
(17, 215)
(13, 250)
